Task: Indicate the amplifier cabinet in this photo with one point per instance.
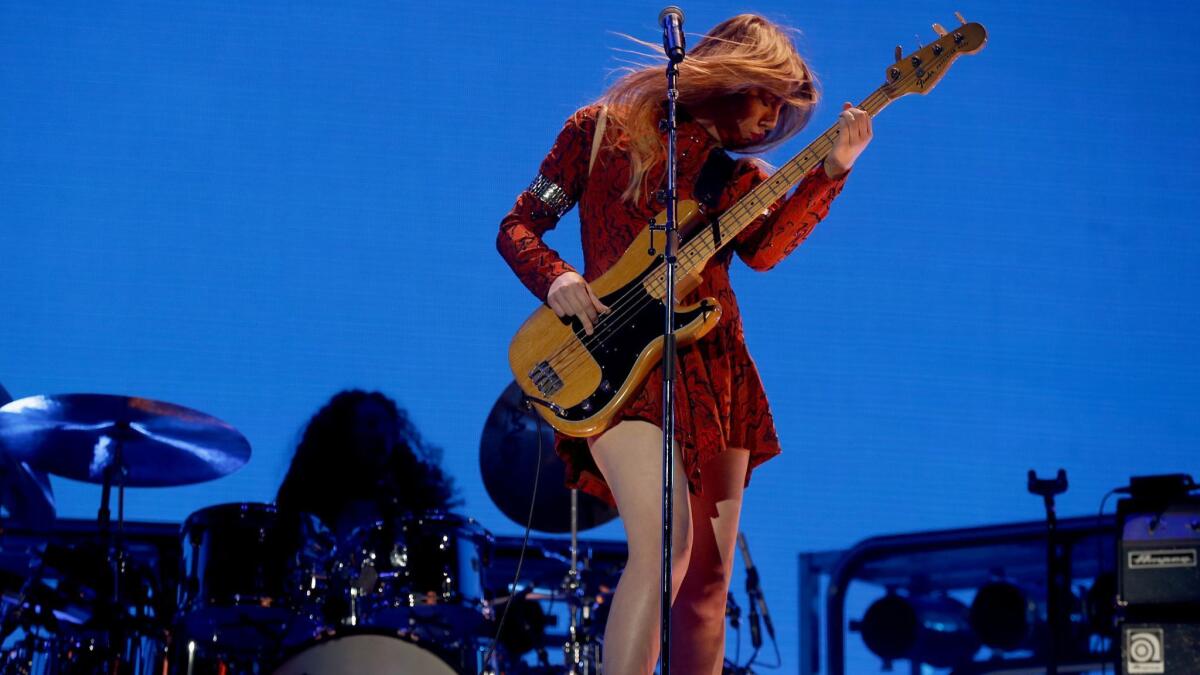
(1157, 554)
(1160, 647)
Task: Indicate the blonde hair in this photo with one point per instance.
(739, 54)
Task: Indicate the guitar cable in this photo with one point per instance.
(537, 474)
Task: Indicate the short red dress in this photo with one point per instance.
(720, 402)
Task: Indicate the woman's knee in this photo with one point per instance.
(701, 602)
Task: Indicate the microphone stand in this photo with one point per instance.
(1056, 588)
(671, 197)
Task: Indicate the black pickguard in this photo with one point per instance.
(619, 337)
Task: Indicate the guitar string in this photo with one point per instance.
(689, 256)
(577, 351)
(606, 325)
(619, 318)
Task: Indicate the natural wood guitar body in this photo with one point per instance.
(587, 377)
(579, 382)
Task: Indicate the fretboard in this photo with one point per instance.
(709, 239)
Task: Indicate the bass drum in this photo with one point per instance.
(378, 653)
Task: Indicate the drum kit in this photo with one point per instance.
(263, 591)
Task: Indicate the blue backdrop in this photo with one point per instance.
(244, 207)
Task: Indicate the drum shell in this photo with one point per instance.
(85, 653)
(427, 569)
(244, 571)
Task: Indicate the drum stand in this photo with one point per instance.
(581, 649)
(113, 609)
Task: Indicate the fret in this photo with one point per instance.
(696, 253)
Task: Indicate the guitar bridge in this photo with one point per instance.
(545, 379)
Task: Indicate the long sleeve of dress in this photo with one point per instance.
(767, 241)
(554, 191)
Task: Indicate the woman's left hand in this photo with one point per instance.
(854, 133)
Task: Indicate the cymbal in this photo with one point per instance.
(508, 455)
(24, 493)
(88, 437)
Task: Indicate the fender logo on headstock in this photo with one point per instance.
(925, 76)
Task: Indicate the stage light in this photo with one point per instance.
(930, 629)
(1003, 616)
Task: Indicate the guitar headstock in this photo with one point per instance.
(919, 72)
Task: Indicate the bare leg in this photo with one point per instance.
(630, 457)
(698, 616)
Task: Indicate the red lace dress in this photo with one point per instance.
(720, 402)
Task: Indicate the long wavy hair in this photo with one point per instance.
(741, 53)
(327, 472)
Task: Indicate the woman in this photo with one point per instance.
(743, 88)
(359, 459)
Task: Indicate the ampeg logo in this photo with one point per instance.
(1179, 557)
(1144, 650)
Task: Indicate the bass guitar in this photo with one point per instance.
(580, 381)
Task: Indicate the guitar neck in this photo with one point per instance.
(699, 249)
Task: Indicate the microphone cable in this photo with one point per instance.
(537, 474)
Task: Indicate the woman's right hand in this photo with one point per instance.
(570, 295)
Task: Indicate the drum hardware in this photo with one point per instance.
(515, 437)
(117, 441)
(423, 573)
(67, 622)
(252, 584)
(25, 493)
(581, 650)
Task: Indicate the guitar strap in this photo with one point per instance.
(714, 176)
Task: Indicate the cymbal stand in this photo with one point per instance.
(579, 646)
(114, 544)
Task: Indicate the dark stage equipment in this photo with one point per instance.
(931, 629)
(961, 589)
(1003, 615)
(72, 572)
(1158, 578)
(1071, 595)
(1160, 536)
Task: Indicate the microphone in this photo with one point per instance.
(755, 627)
(671, 20)
(757, 601)
(733, 611)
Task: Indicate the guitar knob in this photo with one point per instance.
(916, 61)
(959, 16)
(899, 52)
(937, 28)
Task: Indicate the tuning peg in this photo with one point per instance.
(960, 18)
(918, 39)
(937, 28)
(899, 52)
